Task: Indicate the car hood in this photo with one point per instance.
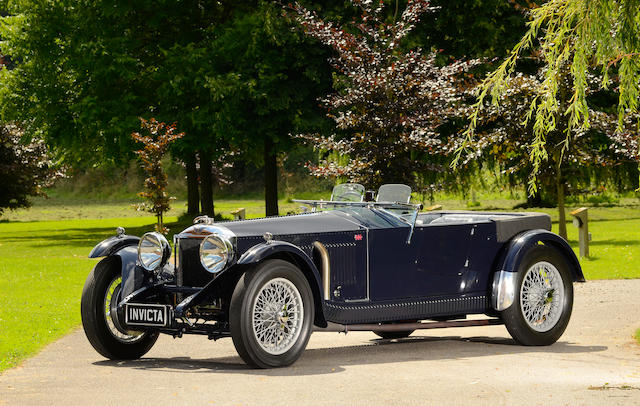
(320, 222)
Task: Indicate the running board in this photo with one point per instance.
(391, 327)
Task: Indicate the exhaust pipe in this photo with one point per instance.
(326, 271)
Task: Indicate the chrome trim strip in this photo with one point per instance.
(368, 283)
(203, 230)
(326, 269)
(504, 290)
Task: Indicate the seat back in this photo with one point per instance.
(347, 192)
(394, 192)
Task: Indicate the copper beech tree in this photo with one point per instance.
(388, 102)
(26, 169)
(155, 142)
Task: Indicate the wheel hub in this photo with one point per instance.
(277, 316)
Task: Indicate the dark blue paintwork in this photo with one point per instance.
(518, 247)
(125, 248)
(375, 276)
(112, 244)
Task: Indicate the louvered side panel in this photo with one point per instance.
(348, 270)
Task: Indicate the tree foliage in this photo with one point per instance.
(503, 138)
(155, 144)
(571, 37)
(388, 102)
(25, 168)
(232, 73)
(267, 80)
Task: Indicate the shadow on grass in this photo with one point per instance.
(85, 237)
(320, 361)
(617, 243)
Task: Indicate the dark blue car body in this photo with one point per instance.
(347, 265)
(445, 270)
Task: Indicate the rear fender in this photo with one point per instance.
(290, 252)
(504, 280)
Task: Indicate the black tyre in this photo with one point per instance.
(390, 335)
(543, 298)
(100, 320)
(271, 314)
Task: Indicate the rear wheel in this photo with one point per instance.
(271, 314)
(543, 299)
(100, 319)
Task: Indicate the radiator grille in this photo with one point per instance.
(190, 271)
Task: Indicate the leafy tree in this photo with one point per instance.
(503, 138)
(389, 102)
(85, 71)
(155, 145)
(231, 73)
(268, 79)
(25, 169)
(472, 28)
(572, 36)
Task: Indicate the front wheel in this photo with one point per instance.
(271, 314)
(543, 298)
(100, 319)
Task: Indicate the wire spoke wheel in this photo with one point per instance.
(542, 296)
(101, 321)
(277, 316)
(110, 304)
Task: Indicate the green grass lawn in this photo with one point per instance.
(43, 260)
(43, 266)
(61, 209)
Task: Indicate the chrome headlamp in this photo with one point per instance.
(153, 251)
(215, 252)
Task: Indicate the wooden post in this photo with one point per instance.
(581, 220)
(434, 207)
(239, 214)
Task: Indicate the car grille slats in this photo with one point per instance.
(190, 271)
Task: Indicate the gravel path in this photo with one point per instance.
(596, 361)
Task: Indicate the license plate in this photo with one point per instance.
(142, 314)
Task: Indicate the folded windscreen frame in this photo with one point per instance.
(348, 192)
(394, 192)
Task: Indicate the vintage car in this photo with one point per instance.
(344, 265)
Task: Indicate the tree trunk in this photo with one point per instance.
(270, 178)
(562, 127)
(562, 220)
(634, 176)
(193, 195)
(206, 184)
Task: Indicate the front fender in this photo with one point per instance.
(262, 251)
(503, 288)
(132, 275)
(125, 248)
(113, 244)
(288, 251)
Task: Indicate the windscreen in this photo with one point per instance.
(394, 192)
(348, 192)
